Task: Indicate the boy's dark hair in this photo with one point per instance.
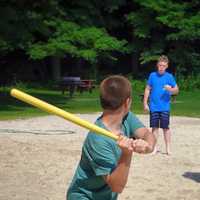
(114, 90)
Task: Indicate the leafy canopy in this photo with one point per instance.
(81, 42)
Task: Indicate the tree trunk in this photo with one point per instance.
(79, 67)
(135, 64)
(94, 71)
(56, 68)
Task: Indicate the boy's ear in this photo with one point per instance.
(127, 101)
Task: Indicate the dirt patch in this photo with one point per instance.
(38, 158)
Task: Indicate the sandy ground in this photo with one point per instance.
(38, 157)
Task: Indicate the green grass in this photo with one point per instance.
(11, 108)
(187, 103)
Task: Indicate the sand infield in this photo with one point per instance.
(38, 157)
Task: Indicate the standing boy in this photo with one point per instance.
(103, 169)
(160, 86)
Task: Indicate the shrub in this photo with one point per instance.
(190, 82)
(138, 85)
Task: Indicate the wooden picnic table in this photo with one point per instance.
(69, 83)
(73, 83)
(87, 84)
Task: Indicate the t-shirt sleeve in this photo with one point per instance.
(149, 81)
(172, 81)
(99, 153)
(134, 123)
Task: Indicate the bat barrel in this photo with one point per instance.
(61, 113)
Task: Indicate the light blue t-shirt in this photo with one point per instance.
(159, 97)
(100, 155)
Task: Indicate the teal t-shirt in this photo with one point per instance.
(100, 155)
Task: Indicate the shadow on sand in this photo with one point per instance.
(195, 176)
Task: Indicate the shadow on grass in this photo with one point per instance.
(11, 107)
(9, 103)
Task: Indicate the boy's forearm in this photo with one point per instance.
(174, 90)
(146, 96)
(118, 178)
(151, 140)
(145, 141)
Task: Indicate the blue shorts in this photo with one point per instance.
(159, 120)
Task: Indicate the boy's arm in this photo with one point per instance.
(173, 90)
(118, 178)
(145, 141)
(146, 96)
(172, 87)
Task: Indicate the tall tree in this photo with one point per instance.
(170, 27)
(81, 29)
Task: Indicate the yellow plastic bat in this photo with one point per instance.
(61, 113)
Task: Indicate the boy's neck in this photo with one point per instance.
(161, 73)
(113, 121)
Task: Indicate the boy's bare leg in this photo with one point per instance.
(167, 138)
(155, 131)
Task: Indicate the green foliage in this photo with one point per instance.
(81, 42)
(149, 56)
(169, 27)
(142, 22)
(4, 46)
(96, 30)
(22, 22)
(21, 85)
(138, 86)
(189, 83)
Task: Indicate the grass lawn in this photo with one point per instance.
(187, 103)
